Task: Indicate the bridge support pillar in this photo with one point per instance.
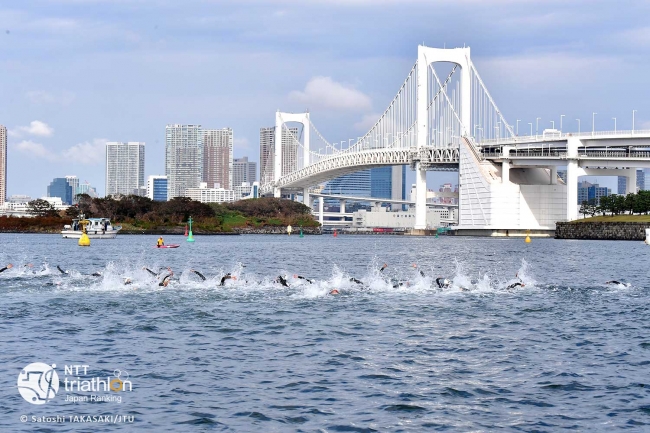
(306, 199)
(321, 206)
(553, 174)
(630, 186)
(505, 172)
(420, 199)
(342, 207)
(572, 174)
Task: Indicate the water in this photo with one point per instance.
(564, 352)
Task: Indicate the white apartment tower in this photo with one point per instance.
(217, 157)
(183, 158)
(243, 171)
(124, 167)
(3, 164)
(289, 152)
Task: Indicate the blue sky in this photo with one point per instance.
(75, 73)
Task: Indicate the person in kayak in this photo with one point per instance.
(160, 242)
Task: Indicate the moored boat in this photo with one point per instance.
(97, 228)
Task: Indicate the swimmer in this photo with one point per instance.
(198, 273)
(419, 270)
(303, 278)
(150, 271)
(127, 281)
(384, 266)
(96, 274)
(228, 276)
(443, 283)
(519, 283)
(9, 266)
(334, 292)
(165, 281)
(281, 280)
(354, 280)
(618, 283)
(61, 270)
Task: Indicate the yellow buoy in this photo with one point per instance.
(84, 240)
(527, 236)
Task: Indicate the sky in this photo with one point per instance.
(77, 73)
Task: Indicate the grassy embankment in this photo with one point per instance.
(615, 219)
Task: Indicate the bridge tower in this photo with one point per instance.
(427, 56)
(280, 120)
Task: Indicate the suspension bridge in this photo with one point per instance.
(451, 122)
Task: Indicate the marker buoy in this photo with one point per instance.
(84, 240)
(190, 237)
(185, 229)
(289, 230)
(527, 236)
(301, 235)
(335, 234)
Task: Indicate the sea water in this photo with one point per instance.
(397, 353)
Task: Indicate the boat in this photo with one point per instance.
(96, 228)
(167, 246)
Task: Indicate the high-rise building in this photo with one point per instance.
(3, 164)
(183, 158)
(588, 191)
(60, 187)
(217, 157)
(562, 175)
(86, 188)
(243, 171)
(388, 182)
(157, 188)
(357, 184)
(73, 181)
(622, 185)
(640, 180)
(124, 168)
(289, 152)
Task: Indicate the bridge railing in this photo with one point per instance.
(564, 135)
(588, 153)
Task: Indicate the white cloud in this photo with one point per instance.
(367, 122)
(35, 150)
(36, 127)
(87, 153)
(324, 92)
(39, 97)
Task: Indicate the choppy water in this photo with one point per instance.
(564, 352)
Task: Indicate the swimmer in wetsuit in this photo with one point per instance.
(354, 280)
(61, 270)
(167, 278)
(614, 282)
(198, 273)
(519, 283)
(9, 266)
(281, 280)
(228, 276)
(443, 283)
(303, 278)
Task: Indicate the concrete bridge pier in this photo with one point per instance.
(306, 199)
(342, 202)
(321, 207)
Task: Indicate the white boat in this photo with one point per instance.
(97, 228)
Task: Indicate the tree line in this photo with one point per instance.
(146, 213)
(632, 203)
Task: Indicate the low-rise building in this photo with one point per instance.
(210, 195)
(379, 217)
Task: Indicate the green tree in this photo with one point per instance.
(584, 208)
(41, 208)
(72, 212)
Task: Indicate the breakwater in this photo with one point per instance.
(616, 231)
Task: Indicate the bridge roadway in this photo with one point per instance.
(608, 149)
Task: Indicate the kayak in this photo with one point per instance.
(167, 246)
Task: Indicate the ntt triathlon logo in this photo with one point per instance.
(38, 383)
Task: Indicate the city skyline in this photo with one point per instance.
(58, 91)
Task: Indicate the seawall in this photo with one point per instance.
(615, 231)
